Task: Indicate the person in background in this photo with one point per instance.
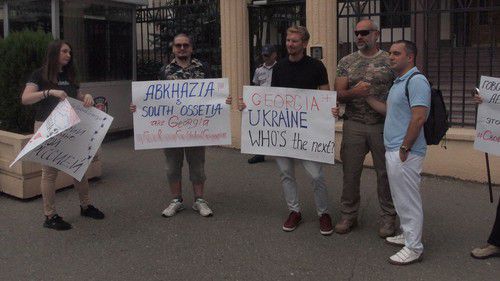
(262, 77)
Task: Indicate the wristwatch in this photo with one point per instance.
(404, 148)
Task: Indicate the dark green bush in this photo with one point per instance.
(20, 54)
(148, 69)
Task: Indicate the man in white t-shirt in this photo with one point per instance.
(262, 77)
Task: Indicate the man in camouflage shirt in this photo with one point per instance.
(182, 67)
(359, 75)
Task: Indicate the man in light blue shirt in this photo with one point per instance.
(399, 114)
(405, 145)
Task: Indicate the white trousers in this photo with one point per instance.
(404, 181)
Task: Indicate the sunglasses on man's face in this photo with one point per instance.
(185, 46)
(362, 32)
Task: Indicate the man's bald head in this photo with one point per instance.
(367, 24)
(367, 34)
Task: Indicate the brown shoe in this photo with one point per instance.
(488, 251)
(345, 225)
(387, 229)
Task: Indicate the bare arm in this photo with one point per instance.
(31, 94)
(377, 105)
(418, 116)
(325, 87)
(344, 94)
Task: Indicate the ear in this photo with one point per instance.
(411, 58)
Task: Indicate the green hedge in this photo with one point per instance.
(20, 54)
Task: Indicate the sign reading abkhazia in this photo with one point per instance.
(68, 139)
(289, 122)
(181, 113)
(488, 116)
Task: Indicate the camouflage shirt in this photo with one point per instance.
(172, 71)
(374, 70)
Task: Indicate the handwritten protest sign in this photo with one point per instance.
(488, 116)
(68, 139)
(181, 113)
(294, 123)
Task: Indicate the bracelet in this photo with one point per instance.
(48, 92)
(44, 95)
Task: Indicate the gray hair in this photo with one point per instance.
(373, 23)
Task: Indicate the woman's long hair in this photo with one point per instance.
(50, 68)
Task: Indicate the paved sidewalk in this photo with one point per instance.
(244, 240)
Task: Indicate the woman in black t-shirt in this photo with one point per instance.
(48, 85)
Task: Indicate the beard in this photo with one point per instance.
(364, 45)
(294, 51)
(182, 57)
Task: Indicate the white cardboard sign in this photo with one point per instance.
(289, 122)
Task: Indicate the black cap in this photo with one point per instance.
(268, 49)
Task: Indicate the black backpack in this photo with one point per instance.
(437, 123)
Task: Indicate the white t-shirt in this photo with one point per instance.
(263, 75)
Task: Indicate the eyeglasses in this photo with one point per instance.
(362, 32)
(185, 46)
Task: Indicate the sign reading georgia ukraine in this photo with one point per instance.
(488, 116)
(288, 122)
(181, 113)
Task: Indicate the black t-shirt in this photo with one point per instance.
(307, 73)
(45, 106)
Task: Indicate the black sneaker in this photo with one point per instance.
(91, 212)
(56, 222)
(257, 159)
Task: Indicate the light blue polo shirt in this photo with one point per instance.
(399, 114)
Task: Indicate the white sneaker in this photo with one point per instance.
(398, 240)
(174, 207)
(201, 207)
(404, 257)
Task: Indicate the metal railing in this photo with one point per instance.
(268, 25)
(456, 40)
(157, 27)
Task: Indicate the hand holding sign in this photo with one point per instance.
(289, 122)
(488, 116)
(69, 138)
(180, 113)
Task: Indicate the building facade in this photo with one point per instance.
(116, 42)
(457, 43)
(102, 35)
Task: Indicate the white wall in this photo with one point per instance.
(118, 94)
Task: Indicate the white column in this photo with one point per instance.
(56, 28)
(5, 19)
(321, 17)
(134, 44)
(235, 55)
